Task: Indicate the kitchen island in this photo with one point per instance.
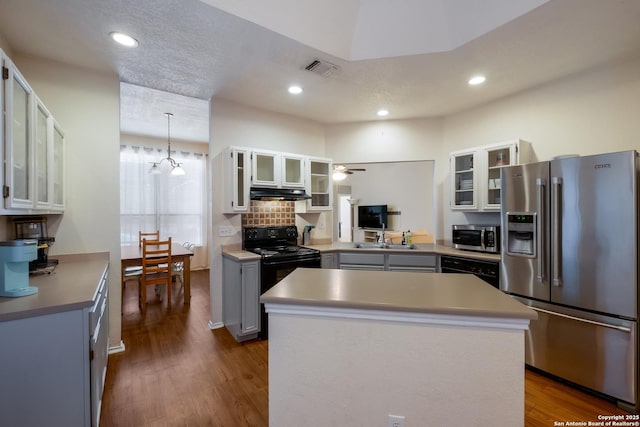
(352, 347)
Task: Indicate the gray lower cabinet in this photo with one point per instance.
(388, 261)
(99, 344)
(408, 262)
(241, 295)
(53, 366)
(362, 261)
(329, 260)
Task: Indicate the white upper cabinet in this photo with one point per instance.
(33, 148)
(18, 188)
(293, 170)
(265, 169)
(236, 168)
(464, 180)
(475, 174)
(495, 157)
(43, 139)
(277, 170)
(57, 176)
(320, 184)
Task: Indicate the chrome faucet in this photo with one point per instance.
(383, 239)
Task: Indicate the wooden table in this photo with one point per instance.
(131, 256)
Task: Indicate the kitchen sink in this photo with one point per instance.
(383, 246)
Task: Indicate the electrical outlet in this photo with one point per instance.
(395, 421)
(226, 231)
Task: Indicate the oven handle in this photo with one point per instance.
(290, 261)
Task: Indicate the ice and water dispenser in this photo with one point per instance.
(521, 234)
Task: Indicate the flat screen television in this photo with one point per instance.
(372, 216)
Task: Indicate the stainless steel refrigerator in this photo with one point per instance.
(570, 252)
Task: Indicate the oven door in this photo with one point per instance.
(273, 271)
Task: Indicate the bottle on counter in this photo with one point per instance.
(404, 241)
(408, 237)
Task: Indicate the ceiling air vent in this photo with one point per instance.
(322, 68)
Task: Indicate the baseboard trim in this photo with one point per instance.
(216, 325)
(117, 348)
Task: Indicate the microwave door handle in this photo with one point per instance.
(556, 233)
(540, 223)
(482, 245)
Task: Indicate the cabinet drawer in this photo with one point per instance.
(405, 260)
(99, 305)
(370, 259)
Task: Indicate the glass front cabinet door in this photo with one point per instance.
(293, 171)
(265, 169)
(236, 169)
(57, 185)
(42, 137)
(495, 157)
(18, 189)
(320, 184)
(464, 180)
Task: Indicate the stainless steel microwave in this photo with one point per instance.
(482, 238)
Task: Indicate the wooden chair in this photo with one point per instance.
(178, 267)
(134, 272)
(156, 269)
(150, 235)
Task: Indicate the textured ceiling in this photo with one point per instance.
(192, 49)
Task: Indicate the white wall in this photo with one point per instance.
(235, 124)
(413, 197)
(86, 104)
(393, 141)
(588, 113)
(5, 46)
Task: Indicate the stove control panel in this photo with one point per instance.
(289, 232)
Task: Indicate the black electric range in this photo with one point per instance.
(280, 255)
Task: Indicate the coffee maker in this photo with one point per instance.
(35, 228)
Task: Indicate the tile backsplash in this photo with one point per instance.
(269, 213)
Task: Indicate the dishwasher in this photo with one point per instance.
(489, 271)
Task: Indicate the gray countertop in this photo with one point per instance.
(71, 286)
(433, 293)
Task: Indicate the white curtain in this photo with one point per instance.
(175, 205)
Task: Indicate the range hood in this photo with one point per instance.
(289, 194)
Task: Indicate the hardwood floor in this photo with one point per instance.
(177, 372)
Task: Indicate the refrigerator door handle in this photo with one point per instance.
(578, 319)
(540, 187)
(556, 233)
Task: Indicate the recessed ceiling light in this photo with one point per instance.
(382, 113)
(295, 90)
(476, 80)
(124, 39)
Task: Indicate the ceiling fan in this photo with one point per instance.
(340, 172)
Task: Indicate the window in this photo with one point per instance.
(175, 205)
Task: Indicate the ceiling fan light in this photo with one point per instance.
(338, 175)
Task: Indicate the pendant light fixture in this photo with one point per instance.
(176, 169)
